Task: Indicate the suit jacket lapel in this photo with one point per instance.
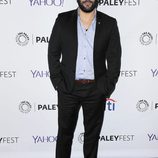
(97, 33)
(75, 38)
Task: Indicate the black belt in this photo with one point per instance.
(84, 81)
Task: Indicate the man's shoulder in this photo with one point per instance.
(64, 16)
(67, 13)
(106, 17)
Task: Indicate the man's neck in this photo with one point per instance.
(87, 16)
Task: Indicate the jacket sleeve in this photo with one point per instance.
(113, 59)
(54, 54)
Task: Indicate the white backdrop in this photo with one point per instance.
(28, 111)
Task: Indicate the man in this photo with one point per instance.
(84, 61)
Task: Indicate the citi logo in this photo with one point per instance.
(110, 105)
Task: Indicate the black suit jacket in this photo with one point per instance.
(62, 52)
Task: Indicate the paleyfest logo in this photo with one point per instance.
(110, 138)
(81, 138)
(119, 2)
(9, 140)
(23, 39)
(147, 38)
(27, 107)
(57, 3)
(5, 2)
(144, 105)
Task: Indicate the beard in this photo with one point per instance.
(86, 7)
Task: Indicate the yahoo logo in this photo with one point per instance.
(154, 72)
(44, 139)
(153, 137)
(57, 3)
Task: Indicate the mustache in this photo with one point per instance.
(87, 1)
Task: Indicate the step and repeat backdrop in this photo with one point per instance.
(28, 102)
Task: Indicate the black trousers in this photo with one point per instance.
(92, 102)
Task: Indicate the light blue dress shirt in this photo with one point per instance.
(84, 64)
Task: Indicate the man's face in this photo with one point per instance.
(87, 5)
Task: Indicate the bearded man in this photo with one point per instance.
(84, 57)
